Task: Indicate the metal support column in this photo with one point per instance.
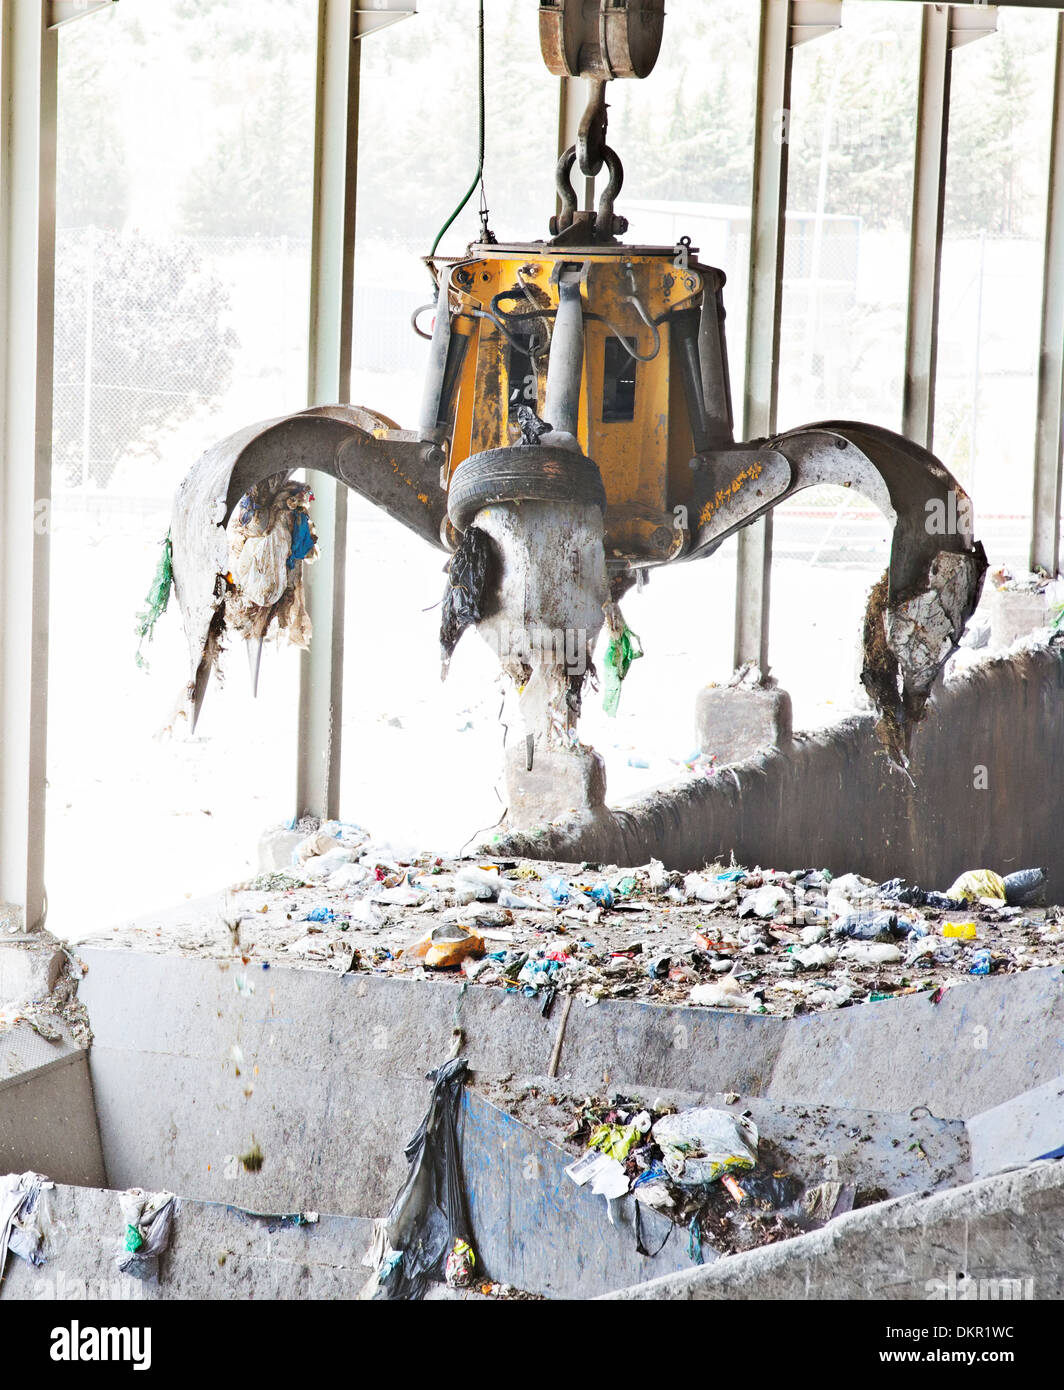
(768, 203)
(784, 25)
(28, 53)
(945, 27)
(329, 380)
(1049, 439)
(925, 253)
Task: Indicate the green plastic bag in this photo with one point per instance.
(616, 1141)
(157, 599)
(620, 654)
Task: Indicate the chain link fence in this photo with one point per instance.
(145, 341)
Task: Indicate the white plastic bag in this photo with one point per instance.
(484, 884)
(700, 1146)
(261, 568)
(872, 953)
(708, 889)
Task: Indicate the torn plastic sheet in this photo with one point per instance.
(624, 648)
(430, 1212)
(20, 1216)
(271, 537)
(148, 1221)
(157, 599)
(469, 574)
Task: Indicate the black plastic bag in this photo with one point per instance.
(870, 926)
(470, 573)
(430, 1212)
(913, 896)
(1025, 887)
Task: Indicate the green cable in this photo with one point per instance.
(480, 152)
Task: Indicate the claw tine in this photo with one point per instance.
(203, 677)
(254, 662)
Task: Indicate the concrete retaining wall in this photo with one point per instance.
(215, 1252)
(1005, 1231)
(47, 1116)
(332, 1083)
(832, 801)
(534, 1228)
(336, 1065)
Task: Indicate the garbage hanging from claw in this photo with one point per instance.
(271, 537)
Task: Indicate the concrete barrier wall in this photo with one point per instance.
(336, 1065)
(1005, 1234)
(216, 1252)
(535, 1228)
(47, 1115)
(332, 1083)
(987, 1041)
(986, 766)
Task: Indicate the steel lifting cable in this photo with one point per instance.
(478, 181)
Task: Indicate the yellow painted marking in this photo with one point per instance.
(749, 474)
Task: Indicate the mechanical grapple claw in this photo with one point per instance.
(576, 430)
(363, 450)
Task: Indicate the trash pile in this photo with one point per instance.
(727, 937)
(729, 1171)
(57, 1014)
(701, 1168)
(271, 537)
(22, 1202)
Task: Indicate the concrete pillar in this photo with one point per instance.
(332, 260)
(735, 722)
(28, 55)
(784, 25)
(945, 28)
(560, 780)
(1049, 439)
(929, 197)
(768, 205)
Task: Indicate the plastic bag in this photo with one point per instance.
(982, 963)
(149, 1219)
(709, 890)
(157, 599)
(870, 926)
(1025, 887)
(776, 1191)
(603, 894)
(912, 895)
(624, 648)
(20, 1216)
(469, 575)
(260, 571)
(484, 884)
(270, 538)
(429, 1216)
(816, 957)
(458, 1271)
(977, 883)
(303, 540)
(557, 890)
(870, 953)
(700, 1146)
